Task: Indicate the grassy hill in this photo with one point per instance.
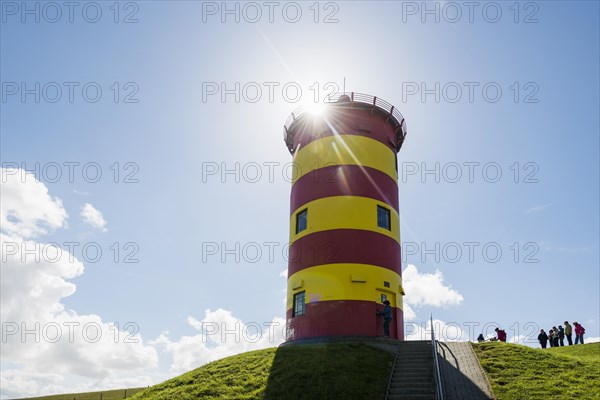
(328, 371)
(520, 372)
(104, 395)
(357, 371)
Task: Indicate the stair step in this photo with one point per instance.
(407, 369)
(411, 390)
(415, 355)
(408, 392)
(408, 384)
(427, 385)
(412, 374)
(411, 382)
(415, 363)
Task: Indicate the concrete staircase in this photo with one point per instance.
(412, 373)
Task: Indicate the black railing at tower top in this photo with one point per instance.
(351, 98)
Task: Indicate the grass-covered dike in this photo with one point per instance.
(357, 371)
(117, 394)
(325, 372)
(521, 373)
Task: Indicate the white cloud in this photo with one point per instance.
(27, 383)
(93, 217)
(444, 331)
(220, 335)
(26, 208)
(537, 209)
(520, 339)
(594, 339)
(409, 313)
(38, 333)
(423, 289)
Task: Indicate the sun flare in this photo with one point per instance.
(316, 109)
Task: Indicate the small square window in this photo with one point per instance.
(383, 218)
(301, 220)
(386, 284)
(299, 304)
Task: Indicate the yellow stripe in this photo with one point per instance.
(344, 212)
(335, 282)
(344, 150)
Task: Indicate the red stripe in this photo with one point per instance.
(343, 318)
(344, 180)
(346, 121)
(344, 246)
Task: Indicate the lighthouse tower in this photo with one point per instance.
(344, 259)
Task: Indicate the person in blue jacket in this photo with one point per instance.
(387, 317)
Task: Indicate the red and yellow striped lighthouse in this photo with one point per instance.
(344, 257)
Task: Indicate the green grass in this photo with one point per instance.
(589, 352)
(106, 395)
(521, 373)
(328, 371)
(356, 371)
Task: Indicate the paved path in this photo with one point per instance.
(462, 375)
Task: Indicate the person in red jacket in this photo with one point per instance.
(579, 332)
(501, 334)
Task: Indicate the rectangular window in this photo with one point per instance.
(299, 304)
(301, 220)
(383, 218)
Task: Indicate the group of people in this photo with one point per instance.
(500, 336)
(556, 336)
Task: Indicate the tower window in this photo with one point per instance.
(383, 218)
(301, 220)
(299, 304)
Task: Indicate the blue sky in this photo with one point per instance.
(167, 134)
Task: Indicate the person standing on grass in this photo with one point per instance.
(551, 337)
(543, 339)
(561, 335)
(569, 332)
(579, 332)
(555, 336)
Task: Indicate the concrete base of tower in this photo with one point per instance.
(343, 318)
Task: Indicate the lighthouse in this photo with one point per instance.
(344, 256)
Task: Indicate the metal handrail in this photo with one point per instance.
(362, 98)
(389, 384)
(439, 389)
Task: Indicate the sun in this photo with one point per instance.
(316, 109)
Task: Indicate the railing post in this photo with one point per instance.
(439, 391)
